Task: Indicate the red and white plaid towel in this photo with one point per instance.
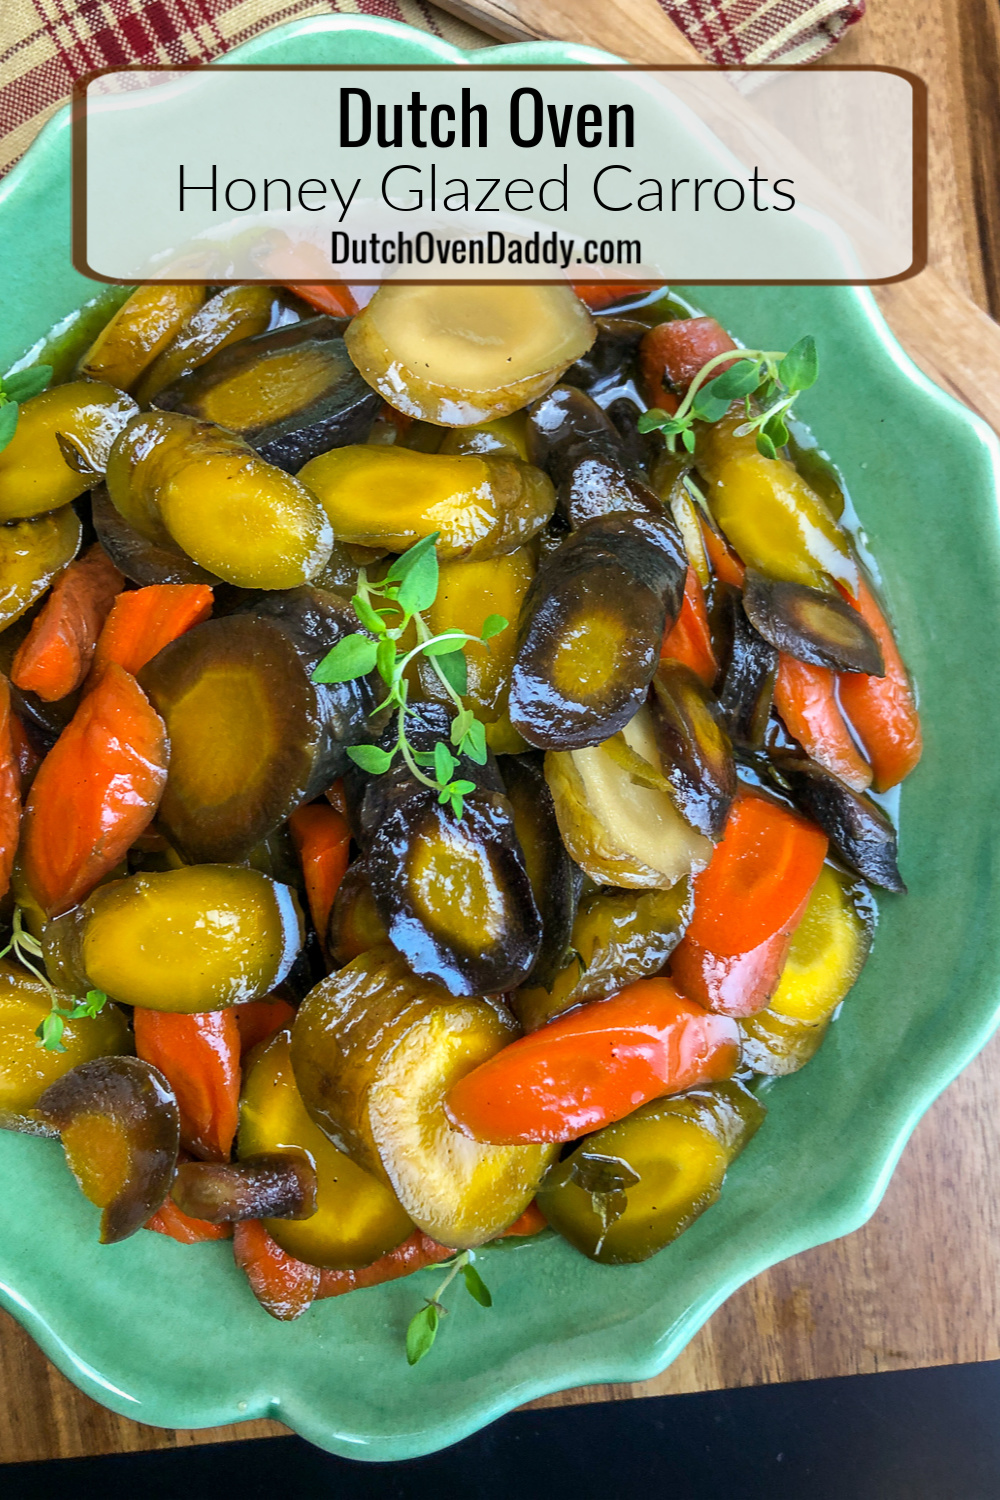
(46, 44)
(734, 32)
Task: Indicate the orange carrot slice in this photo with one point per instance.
(173, 1221)
(593, 1066)
(323, 840)
(142, 621)
(671, 354)
(413, 1254)
(600, 294)
(284, 1287)
(689, 640)
(722, 559)
(764, 867)
(55, 655)
(259, 1019)
(199, 1055)
(532, 1221)
(332, 297)
(883, 709)
(95, 792)
(806, 698)
(747, 904)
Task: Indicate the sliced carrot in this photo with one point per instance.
(95, 792)
(412, 1255)
(173, 1221)
(26, 752)
(722, 559)
(323, 840)
(734, 984)
(143, 621)
(762, 870)
(532, 1221)
(601, 294)
(259, 1019)
(690, 640)
(284, 1287)
(199, 1055)
(671, 354)
(806, 698)
(747, 904)
(10, 788)
(332, 297)
(55, 655)
(399, 419)
(883, 709)
(593, 1066)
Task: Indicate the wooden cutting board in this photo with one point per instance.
(944, 331)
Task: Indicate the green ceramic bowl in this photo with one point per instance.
(171, 1335)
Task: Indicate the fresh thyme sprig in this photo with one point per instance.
(17, 388)
(423, 1327)
(28, 951)
(772, 378)
(386, 610)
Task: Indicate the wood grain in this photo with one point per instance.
(638, 30)
(918, 1285)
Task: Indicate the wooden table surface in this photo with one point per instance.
(919, 1285)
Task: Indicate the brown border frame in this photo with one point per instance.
(921, 190)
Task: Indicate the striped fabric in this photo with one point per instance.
(46, 44)
(736, 32)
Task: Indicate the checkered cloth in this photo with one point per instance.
(46, 44)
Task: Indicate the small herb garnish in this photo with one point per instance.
(423, 1327)
(28, 951)
(775, 380)
(17, 388)
(385, 610)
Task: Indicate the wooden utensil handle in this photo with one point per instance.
(638, 30)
